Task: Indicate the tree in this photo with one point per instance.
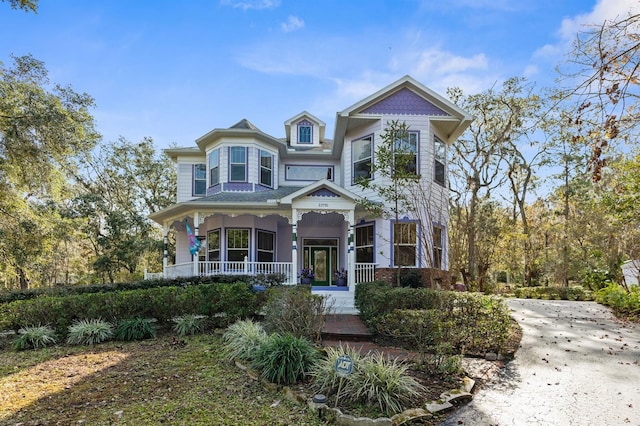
(124, 183)
(26, 5)
(44, 132)
(480, 156)
(605, 62)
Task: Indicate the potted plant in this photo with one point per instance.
(306, 275)
(341, 277)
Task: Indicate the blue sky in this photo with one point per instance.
(174, 70)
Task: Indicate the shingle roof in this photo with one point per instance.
(246, 196)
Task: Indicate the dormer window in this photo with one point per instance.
(305, 132)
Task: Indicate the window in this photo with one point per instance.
(237, 244)
(265, 246)
(307, 172)
(406, 152)
(361, 158)
(437, 247)
(304, 132)
(237, 164)
(364, 243)
(404, 243)
(214, 167)
(440, 156)
(266, 169)
(213, 245)
(199, 179)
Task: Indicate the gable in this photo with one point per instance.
(404, 101)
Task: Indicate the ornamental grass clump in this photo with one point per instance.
(189, 324)
(136, 329)
(89, 332)
(285, 359)
(323, 372)
(243, 339)
(35, 337)
(378, 381)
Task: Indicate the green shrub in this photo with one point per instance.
(596, 279)
(136, 329)
(383, 383)
(554, 293)
(189, 324)
(268, 280)
(225, 302)
(422, 318)
(89, 332)
(243, 339)
(35, 337)
(285, 359)
(623, 302)
(294, 310)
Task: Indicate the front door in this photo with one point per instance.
(321, 267)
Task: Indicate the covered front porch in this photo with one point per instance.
(307, 229)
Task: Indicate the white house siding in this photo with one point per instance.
(185, 179)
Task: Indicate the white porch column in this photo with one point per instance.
(196, 233)
(351, 253)
(294, 246)
(165, 252)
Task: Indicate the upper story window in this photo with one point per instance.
(266, 168)
(214, 167)
(405, 239)
(406, 152)
(305, 132)
(199, 179)
(361, 153)
(237, 164)
(440, 157)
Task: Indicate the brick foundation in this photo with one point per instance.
(431, 278)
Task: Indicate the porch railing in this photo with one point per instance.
(364, 272)
(248, 268)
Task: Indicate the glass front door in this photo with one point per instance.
(322, 256)
(321, 267)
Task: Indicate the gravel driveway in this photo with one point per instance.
(577, 365)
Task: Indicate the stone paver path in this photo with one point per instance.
(577, 365)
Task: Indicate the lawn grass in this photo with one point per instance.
(166, 380)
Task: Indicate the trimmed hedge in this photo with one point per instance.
(554, 293)
(135, 285)
(425, 319)
(224, 303)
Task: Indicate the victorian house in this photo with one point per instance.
(264, 204)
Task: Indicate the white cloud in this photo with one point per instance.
(570, 27)
(251, 4)
(293, 23)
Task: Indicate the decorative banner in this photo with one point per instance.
(194, 243)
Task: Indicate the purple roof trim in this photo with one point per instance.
(404, 101)
(324, 192)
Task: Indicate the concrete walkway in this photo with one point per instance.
(577, 365)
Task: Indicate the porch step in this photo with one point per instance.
(345, 328)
